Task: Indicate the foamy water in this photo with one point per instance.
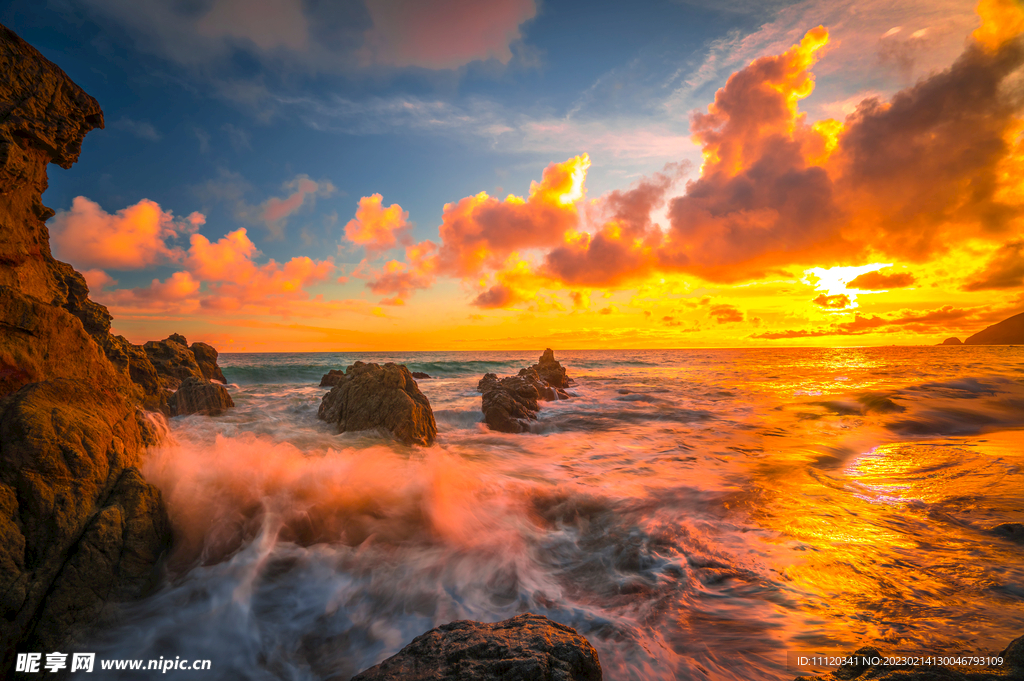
(694, 514)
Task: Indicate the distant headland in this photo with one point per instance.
(1007, 332)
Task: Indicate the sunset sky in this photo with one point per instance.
(290, 175)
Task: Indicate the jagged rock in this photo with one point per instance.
(206, 358)
(331, 378)
(177, 338)
(133, 360)
(199, 396)
(73, 506)
(370, 396)
(550, 371)
(951, 341)
(419, 374)
(79, 528)
(1012, 668)
(510, 403)
(173, 362)
(523, 648)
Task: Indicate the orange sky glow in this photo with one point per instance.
(898, 224)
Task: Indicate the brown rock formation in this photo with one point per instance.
(173, 362)
(206, 359)
(522, 648)
(370, 396)
(199, 396)
(80, 529)
(420, 374)
(331, 378)
(510, 403)
(951, 341)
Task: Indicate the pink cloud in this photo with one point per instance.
(275, 211)
(443, 34)
(132, 238)
(377, 228)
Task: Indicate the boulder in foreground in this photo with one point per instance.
(199, 396)
(510, 403)
(370, 396)
(523, 648)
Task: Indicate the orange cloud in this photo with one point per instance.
(376, 228)
(443, 34)
(132, 238)
(223, 276)
(877, 281)
(402, 278)
(1004, 270)
(481, 231)
(837, 302)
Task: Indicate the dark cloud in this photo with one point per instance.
(877, 281)
(1004, 270)
(837, 302)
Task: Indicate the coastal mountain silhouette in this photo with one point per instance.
(1007, 332)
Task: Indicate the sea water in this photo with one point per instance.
(693, 513)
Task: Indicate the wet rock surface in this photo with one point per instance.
(420, 374)
(331, 378)
(199, 396)
(206, 359)
(523, 648)
(80, 529)
(510, 403)
(173, 361)
(1012, 668)
(374, 397)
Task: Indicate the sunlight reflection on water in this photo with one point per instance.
(728, 506)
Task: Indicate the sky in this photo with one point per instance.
(304, 175)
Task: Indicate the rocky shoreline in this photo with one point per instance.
(80, 528)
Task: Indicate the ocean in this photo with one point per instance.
(694, 513)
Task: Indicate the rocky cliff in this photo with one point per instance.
(1007, 332)
(80, 529)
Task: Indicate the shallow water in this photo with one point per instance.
(694, 514)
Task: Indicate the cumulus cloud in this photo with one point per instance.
(444, 34)
(132, 238)
(480, 232)
(880, 281)
(376, 228)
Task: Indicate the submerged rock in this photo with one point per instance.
(420, 374)
(80, 529)
(1011, 531)
(523, 648)
(370, 396)
(510, 403)
(199, 396)
(1012, 668)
